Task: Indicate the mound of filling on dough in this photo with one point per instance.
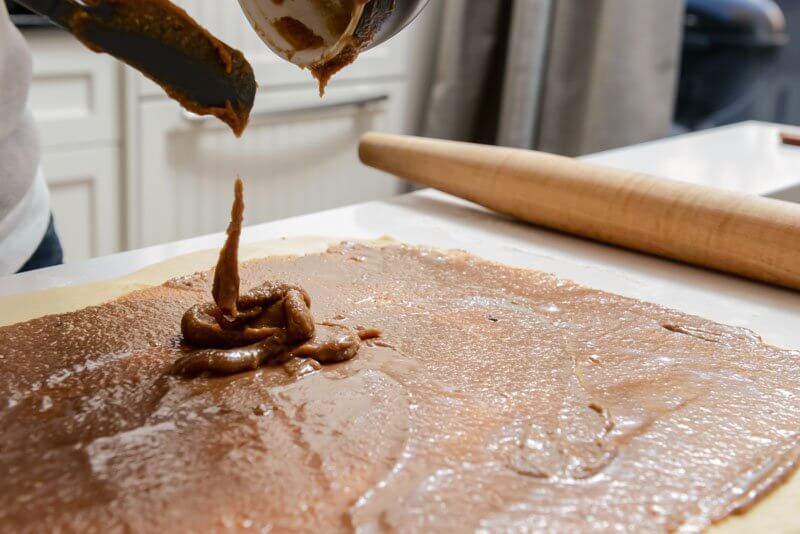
(497, 399)
(270, 324)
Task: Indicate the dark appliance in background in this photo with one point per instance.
(23, 18)
(731, 48)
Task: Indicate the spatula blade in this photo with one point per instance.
(163, 42)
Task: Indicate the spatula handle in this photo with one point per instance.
(747, 235)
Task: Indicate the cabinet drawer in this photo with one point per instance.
(74, 93)
(85, 198)
(295, 158)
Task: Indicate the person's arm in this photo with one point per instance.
(15, 75)
(24, 200)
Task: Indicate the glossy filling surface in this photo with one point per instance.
(496, 398)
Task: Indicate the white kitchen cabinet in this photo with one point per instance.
(74, 94)
(74, 98)
(298, 155)
(85, 199)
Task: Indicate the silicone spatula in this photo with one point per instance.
(163, 42)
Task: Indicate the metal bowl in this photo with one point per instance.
(395, 14)
(357, 24)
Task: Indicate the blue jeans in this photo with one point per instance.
(48, 253)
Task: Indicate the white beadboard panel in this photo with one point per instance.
(85, 198)
(296, 163)
(225, 20)
(74, 95)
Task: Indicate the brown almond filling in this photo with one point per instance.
(272, 324)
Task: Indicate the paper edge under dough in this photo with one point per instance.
(772, 514)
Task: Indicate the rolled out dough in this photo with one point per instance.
(777, 513)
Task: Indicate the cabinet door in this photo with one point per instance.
(85, 199)
(295, 158)
(74, 92)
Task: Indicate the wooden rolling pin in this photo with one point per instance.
(751, 236)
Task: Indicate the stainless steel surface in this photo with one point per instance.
(25, 18)
(396, 15)
(56, 11)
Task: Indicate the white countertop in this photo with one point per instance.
(747, 157)
(435, 219)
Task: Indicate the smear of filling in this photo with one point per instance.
(496, 400)
(323, 72)
(336, 13)
(370, 23)
(297, 34)
(270, 324)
